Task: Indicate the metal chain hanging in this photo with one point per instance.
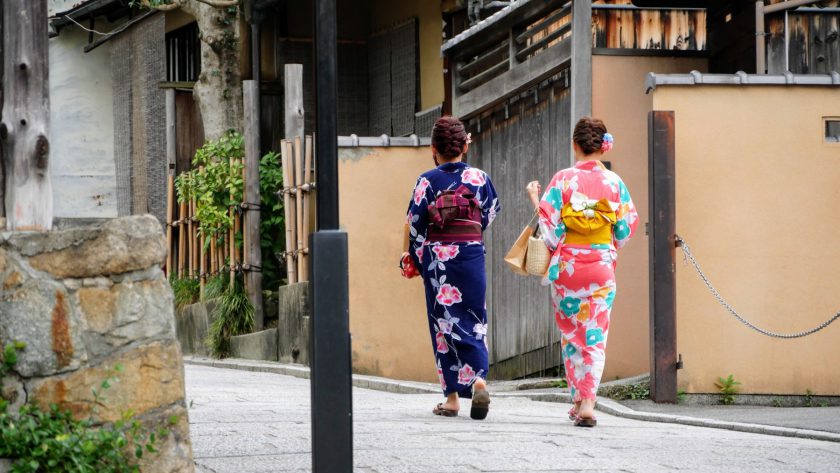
(687, 252)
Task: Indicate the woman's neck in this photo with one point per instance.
(596, 156)
(456, 159)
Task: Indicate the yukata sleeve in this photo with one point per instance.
(552, 229)
(417, 218)
(490, 206)
(627, 219)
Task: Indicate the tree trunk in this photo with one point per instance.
(218, 90)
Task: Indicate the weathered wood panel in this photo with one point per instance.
(683, 30)
(526, 140)
(813, 42)
(189, 130)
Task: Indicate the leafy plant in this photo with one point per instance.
(777, 402)
(629, 391)
(680, 396)
(52, 440)
(809, 398)
(233, 315)
(272, 220)
(186, 291)
(728, 388)
(560, 383)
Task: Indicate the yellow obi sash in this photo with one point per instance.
(588, 222)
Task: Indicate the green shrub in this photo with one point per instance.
(728, 388)
(628, 391)
(233, 315)
(186, 291)
(53, 441)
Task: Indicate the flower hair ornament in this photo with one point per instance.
(469, 138)
(607, 142)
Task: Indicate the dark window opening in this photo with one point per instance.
(183, 58)
(832, 130)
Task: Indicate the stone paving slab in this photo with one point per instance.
(245, 422)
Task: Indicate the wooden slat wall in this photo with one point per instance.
(814, 42)
(648, 29)
(528, 142)
(189, 130)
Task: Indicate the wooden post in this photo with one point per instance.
(581, 68)
(288, 182)
(171, 143)
(251, 231)
(170, 203)
(24, 130)
(293, 93)
(2, 145)
(663, 294)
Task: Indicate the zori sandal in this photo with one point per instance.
(585, 421)
(572, 413)
(439, 410)
(480, 404)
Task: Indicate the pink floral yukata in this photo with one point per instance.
(586, 214)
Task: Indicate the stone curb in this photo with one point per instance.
(604, 405)
(300, 371)
(614, 408)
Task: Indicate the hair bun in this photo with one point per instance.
(449, 137)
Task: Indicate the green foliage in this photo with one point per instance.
(216, 184)
(628, 391)
(233, 315)
(560, 383)
(53, 441)
(186, 291)
(809, 398)
(728, 388)
(272, 219)
(680, 396)
(777, 402)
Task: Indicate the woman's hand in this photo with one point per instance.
(533, 189)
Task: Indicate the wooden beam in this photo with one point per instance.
(2, 146)
(663, 293)
(581, 105)
(26, 114)
(498, 89)
(171, 137)
(251, 230)
(293, 101)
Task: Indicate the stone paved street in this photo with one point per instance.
(243, 422)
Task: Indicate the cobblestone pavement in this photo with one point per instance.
(247, 422)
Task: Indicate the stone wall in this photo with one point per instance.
(85, 300)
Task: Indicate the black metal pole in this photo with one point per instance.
(331, 381)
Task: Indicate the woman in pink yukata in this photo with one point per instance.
(586, 215)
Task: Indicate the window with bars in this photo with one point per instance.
(832, 130)
(183, 58)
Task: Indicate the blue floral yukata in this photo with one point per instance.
(453, 274)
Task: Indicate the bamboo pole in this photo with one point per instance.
(307, 202)
(286, 157)
(170, 202)
(301, 232)
(194, 236)
(188, 217)
(214, 255)
(182, 238)
(202, 268)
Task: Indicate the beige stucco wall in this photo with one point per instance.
(387, 313)
(387, 12)
(756, 198)
(619, 99)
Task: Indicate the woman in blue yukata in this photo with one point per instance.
(451, 206)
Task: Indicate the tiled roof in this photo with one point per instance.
(740, 78)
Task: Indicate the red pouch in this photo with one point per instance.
(407, 267)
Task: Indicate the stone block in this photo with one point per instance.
(175, 450)
(192, 324)
(152, 377)
(41, 314)
(126, 312)
(293, 323)
(117, 246)
(255, 346)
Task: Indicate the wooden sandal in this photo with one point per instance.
(439, 410)
(480, 404)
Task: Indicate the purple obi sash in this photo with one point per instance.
(455, 217)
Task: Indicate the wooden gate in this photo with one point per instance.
(518, 142)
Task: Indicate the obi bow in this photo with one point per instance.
(589, 218)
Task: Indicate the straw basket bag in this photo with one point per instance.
(529, 255)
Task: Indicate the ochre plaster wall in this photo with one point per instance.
(387, 313)
(756, 200)
(618, 98)
(387, 12)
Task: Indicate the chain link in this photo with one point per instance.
(687, 252)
